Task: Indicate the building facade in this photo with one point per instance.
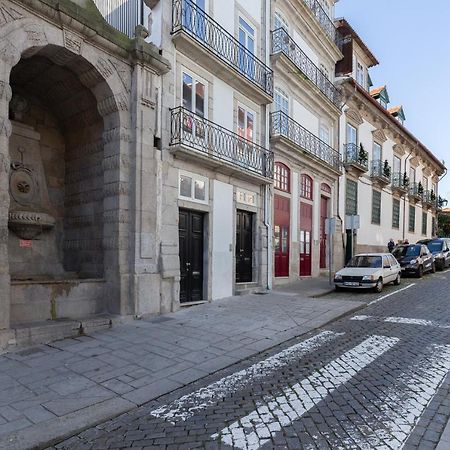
(391, 178)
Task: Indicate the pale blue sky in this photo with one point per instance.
(411, 40)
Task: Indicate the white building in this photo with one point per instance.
(391, 178)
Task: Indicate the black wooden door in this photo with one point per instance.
(191, 256)
(244, 247)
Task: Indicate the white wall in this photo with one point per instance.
(305, 117)
(222, 241)
(223, 95)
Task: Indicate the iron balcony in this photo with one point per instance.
(415, 192)
(356, 158)
(282, 43)
(196, 137)
(400, 182)
(282, 126)
(380, 172)
(191, 21)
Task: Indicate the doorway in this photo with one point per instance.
(323, 234)
(244, 247)
(281, 235)
(191, 232)
(306, 211)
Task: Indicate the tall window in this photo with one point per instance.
(281, 101)
(396, 213)
(246, 124)
(194, 17)
(324, 134)
(397, 164)
(247, 40)
(424, 223)
(306, 187)
(425, 184)
(412, 219)
(376, 207)
(280, 22)
(352, 135)
(282, 177)
(361, 75)
(351, 198)
(194, 95)
(412, 175)
(376, 155)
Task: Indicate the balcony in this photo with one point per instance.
(324, 21)
(428, 199)
(208, 43)
(198, 139)
(283, 44)
(355, 159)
(380, 172)
(415, 192)
(400, 183)
(290, 132)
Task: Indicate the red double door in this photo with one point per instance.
(306, 213)
(282, 207)
(323, 235)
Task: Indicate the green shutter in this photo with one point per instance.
(424, 223)
(351, 198)
(376, 207)
(412, 219)
(396, 213)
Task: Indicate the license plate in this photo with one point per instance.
(351, 283)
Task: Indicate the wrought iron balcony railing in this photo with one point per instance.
(199, 134)
(416, 190)
(399, 181)
(281, 125)
(188, 17)
(283, 43)
(324, 20)
(380, 170)
(428, 197)
(355, 155)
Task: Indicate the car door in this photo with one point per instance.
(446, 250)
(387, 270)
(427, 258)
(396, 269)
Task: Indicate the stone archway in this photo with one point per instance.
(81, 94)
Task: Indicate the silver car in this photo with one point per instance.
(369, 271)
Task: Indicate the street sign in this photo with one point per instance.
(330, 226)
(352, 222)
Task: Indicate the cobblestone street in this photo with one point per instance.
(378, 379)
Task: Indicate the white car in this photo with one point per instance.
(369, 271)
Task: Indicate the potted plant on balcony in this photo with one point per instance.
(405, 180)
(386, 169)
(420, 189)
(362, 156)
(432, 195)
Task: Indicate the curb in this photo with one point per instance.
(444, 441)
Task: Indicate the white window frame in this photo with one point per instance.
(283, 94)
(194, 178)
(278, 16)
(251, 24)
(246, 110)
(195, 78)
(327, 129)
(362, 82)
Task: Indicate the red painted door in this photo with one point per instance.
(323, 236)
(305, 239)
(282, 222)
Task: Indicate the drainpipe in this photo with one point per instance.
(404, 197)
(267, 191)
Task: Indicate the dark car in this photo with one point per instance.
(414, 259)
(440, 248)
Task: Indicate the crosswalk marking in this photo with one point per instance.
(373, 302)
(271, 415)
(188, 405)
(403, 320)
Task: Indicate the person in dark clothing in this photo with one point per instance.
(391, 245)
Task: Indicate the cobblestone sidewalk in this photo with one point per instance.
(51, 391)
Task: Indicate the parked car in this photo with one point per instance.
(369, 271)
(414, 259)
(440, 248)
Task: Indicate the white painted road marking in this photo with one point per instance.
(256, 428)
(403, 320)
(373, 302)
(188, 405)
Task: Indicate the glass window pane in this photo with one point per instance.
(241, 122)
(185, 186)
(200, 99)
(250, 126)
(199, 190)
(187, 91)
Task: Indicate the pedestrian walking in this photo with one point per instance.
(391, 245)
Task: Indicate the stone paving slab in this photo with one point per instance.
(49, 391)
(444, 442)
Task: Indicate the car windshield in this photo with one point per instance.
(365, 261)
(412, 250)
(434, 246)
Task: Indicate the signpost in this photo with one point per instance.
(352, 223)
(330, 230)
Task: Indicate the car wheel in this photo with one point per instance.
(379, 286)
(398, 280)
(419, 272)
(338, 288)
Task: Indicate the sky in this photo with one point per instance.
(411, 40)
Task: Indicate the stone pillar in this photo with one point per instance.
(5, 133)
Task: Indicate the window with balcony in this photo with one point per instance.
(412, 219)
(351, 198)
(246, 124)
(324, 134)
(247, 39)
(280, 22)
(424, 223)
(377, 152)
(282, 177)
(194, 17)
(306, 187)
